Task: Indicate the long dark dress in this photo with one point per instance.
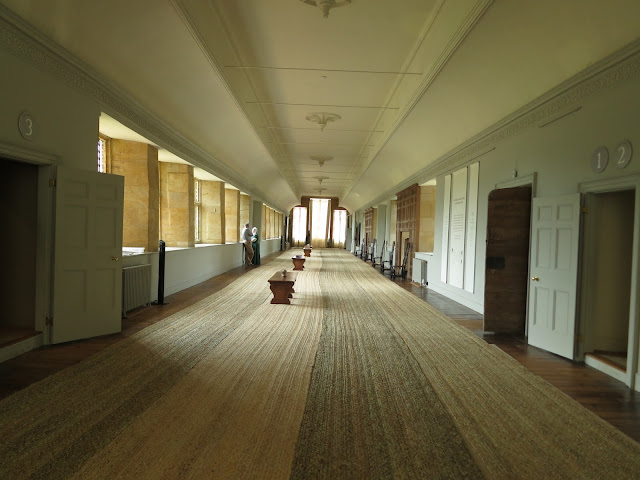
(255, 243)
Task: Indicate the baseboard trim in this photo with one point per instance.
(23, 346)
(605, 368)
(473, 305)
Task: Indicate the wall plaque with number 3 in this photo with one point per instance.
(623, 154)
(599, 159)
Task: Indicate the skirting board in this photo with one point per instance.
(604, 368)
(18, 348)
(476, 307)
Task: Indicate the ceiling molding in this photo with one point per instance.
(314, 105)
(558, 102)
(429, 77)
(328, 70)
(40, 51)
(188, 22)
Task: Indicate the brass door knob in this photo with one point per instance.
(535, 279)
(114, 259)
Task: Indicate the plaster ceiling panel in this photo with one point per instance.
(321, 87)
(515, 54)
(360, 36)
(316, 136)
(296, 116)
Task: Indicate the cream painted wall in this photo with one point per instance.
(560, 155)
(66, 121)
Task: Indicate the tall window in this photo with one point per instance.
(103, 155)
(196, 201)
(320, 218)
(339, 228)
(299, 226)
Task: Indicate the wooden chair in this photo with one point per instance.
(371, 251)
(358, 250)
(387, 263)
(401, 270)
(379, 257)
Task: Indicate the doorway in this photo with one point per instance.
(607, 283)
(507, 260)
(19, 215)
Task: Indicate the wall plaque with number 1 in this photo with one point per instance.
(599, 159)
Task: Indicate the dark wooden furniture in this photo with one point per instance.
(401, 270)
(298, 262)
(388, 262)
(282, 287)
(379, 258)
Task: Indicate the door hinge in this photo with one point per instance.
(48, 321)
(52, 182)
(585, 210)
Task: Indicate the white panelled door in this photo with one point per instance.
(555, 232)
(87, 288)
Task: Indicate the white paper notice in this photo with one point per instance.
(458, 223)
(444, 261)
(472, 213)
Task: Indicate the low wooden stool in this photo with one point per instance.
(282, 287)
(307, 250)
(298, 262)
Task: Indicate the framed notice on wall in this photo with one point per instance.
(459, 225)
(445, 229)
(472, 214)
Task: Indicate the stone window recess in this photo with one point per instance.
(103, 156)
(196, 202)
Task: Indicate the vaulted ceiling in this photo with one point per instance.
(286, 102)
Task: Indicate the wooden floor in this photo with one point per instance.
(605, 396)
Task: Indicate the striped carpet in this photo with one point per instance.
(357, 378)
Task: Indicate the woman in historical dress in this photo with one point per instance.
(255, 243)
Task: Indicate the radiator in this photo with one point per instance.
(419, 272)
(136, 287)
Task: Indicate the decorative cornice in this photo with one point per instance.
(27, 43)
(467, 25)
(619, 67)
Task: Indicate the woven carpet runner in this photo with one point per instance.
(357, 378)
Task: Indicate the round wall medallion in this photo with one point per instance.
(27, 126)
(623, 153)
(599, 159)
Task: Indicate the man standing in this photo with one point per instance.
(246, 239)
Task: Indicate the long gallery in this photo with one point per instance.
(320, 239)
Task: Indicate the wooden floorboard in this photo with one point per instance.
(605, 396)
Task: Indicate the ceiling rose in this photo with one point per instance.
(320, 179)
(320, 159)
(326, 5)
(322, 118)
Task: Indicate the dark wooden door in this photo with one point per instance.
(507, 260)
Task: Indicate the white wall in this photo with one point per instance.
(560, 154)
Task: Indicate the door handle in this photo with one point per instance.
(114, 259)
(535, 279)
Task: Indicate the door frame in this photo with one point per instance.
(44, 230)
(523, 181)
(626, 182)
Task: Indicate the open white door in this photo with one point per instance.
(87, 284)
(555, 233)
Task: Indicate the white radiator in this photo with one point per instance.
(419, 273)
(136, 287)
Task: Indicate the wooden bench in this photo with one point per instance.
(282, 287)
(298, 262)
